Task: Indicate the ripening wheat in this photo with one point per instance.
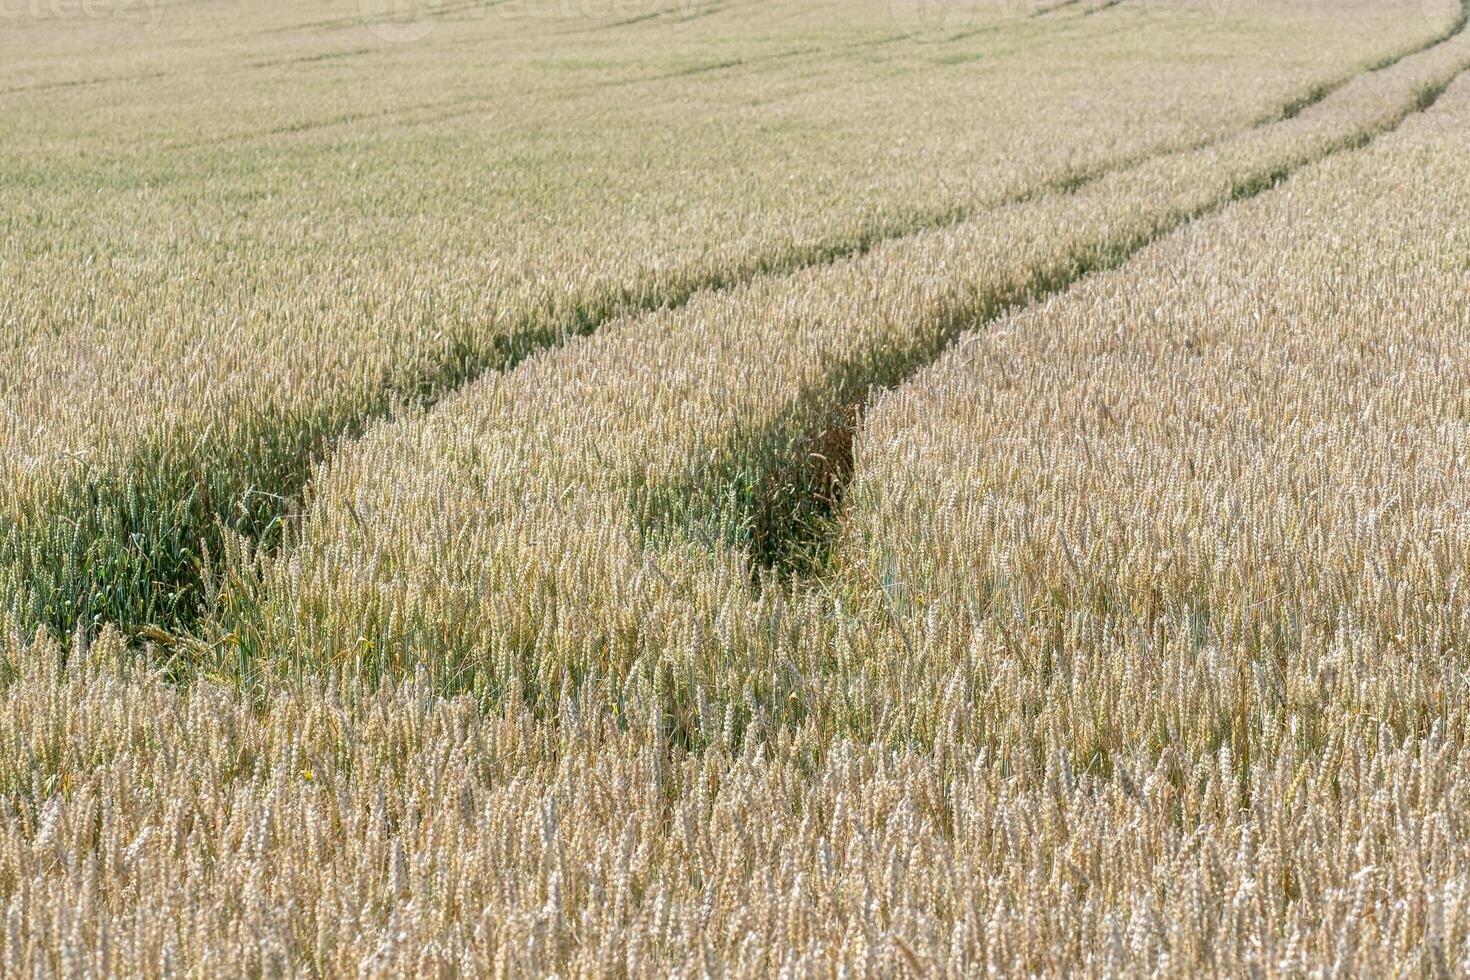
(737, 489)
(338, 229)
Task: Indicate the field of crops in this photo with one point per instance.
(752, 487)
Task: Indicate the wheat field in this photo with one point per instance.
(735, 487)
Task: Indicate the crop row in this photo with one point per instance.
(590, 517)
(207, 286)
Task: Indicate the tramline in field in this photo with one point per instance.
(745, 487)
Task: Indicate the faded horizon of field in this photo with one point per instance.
(734, 487)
